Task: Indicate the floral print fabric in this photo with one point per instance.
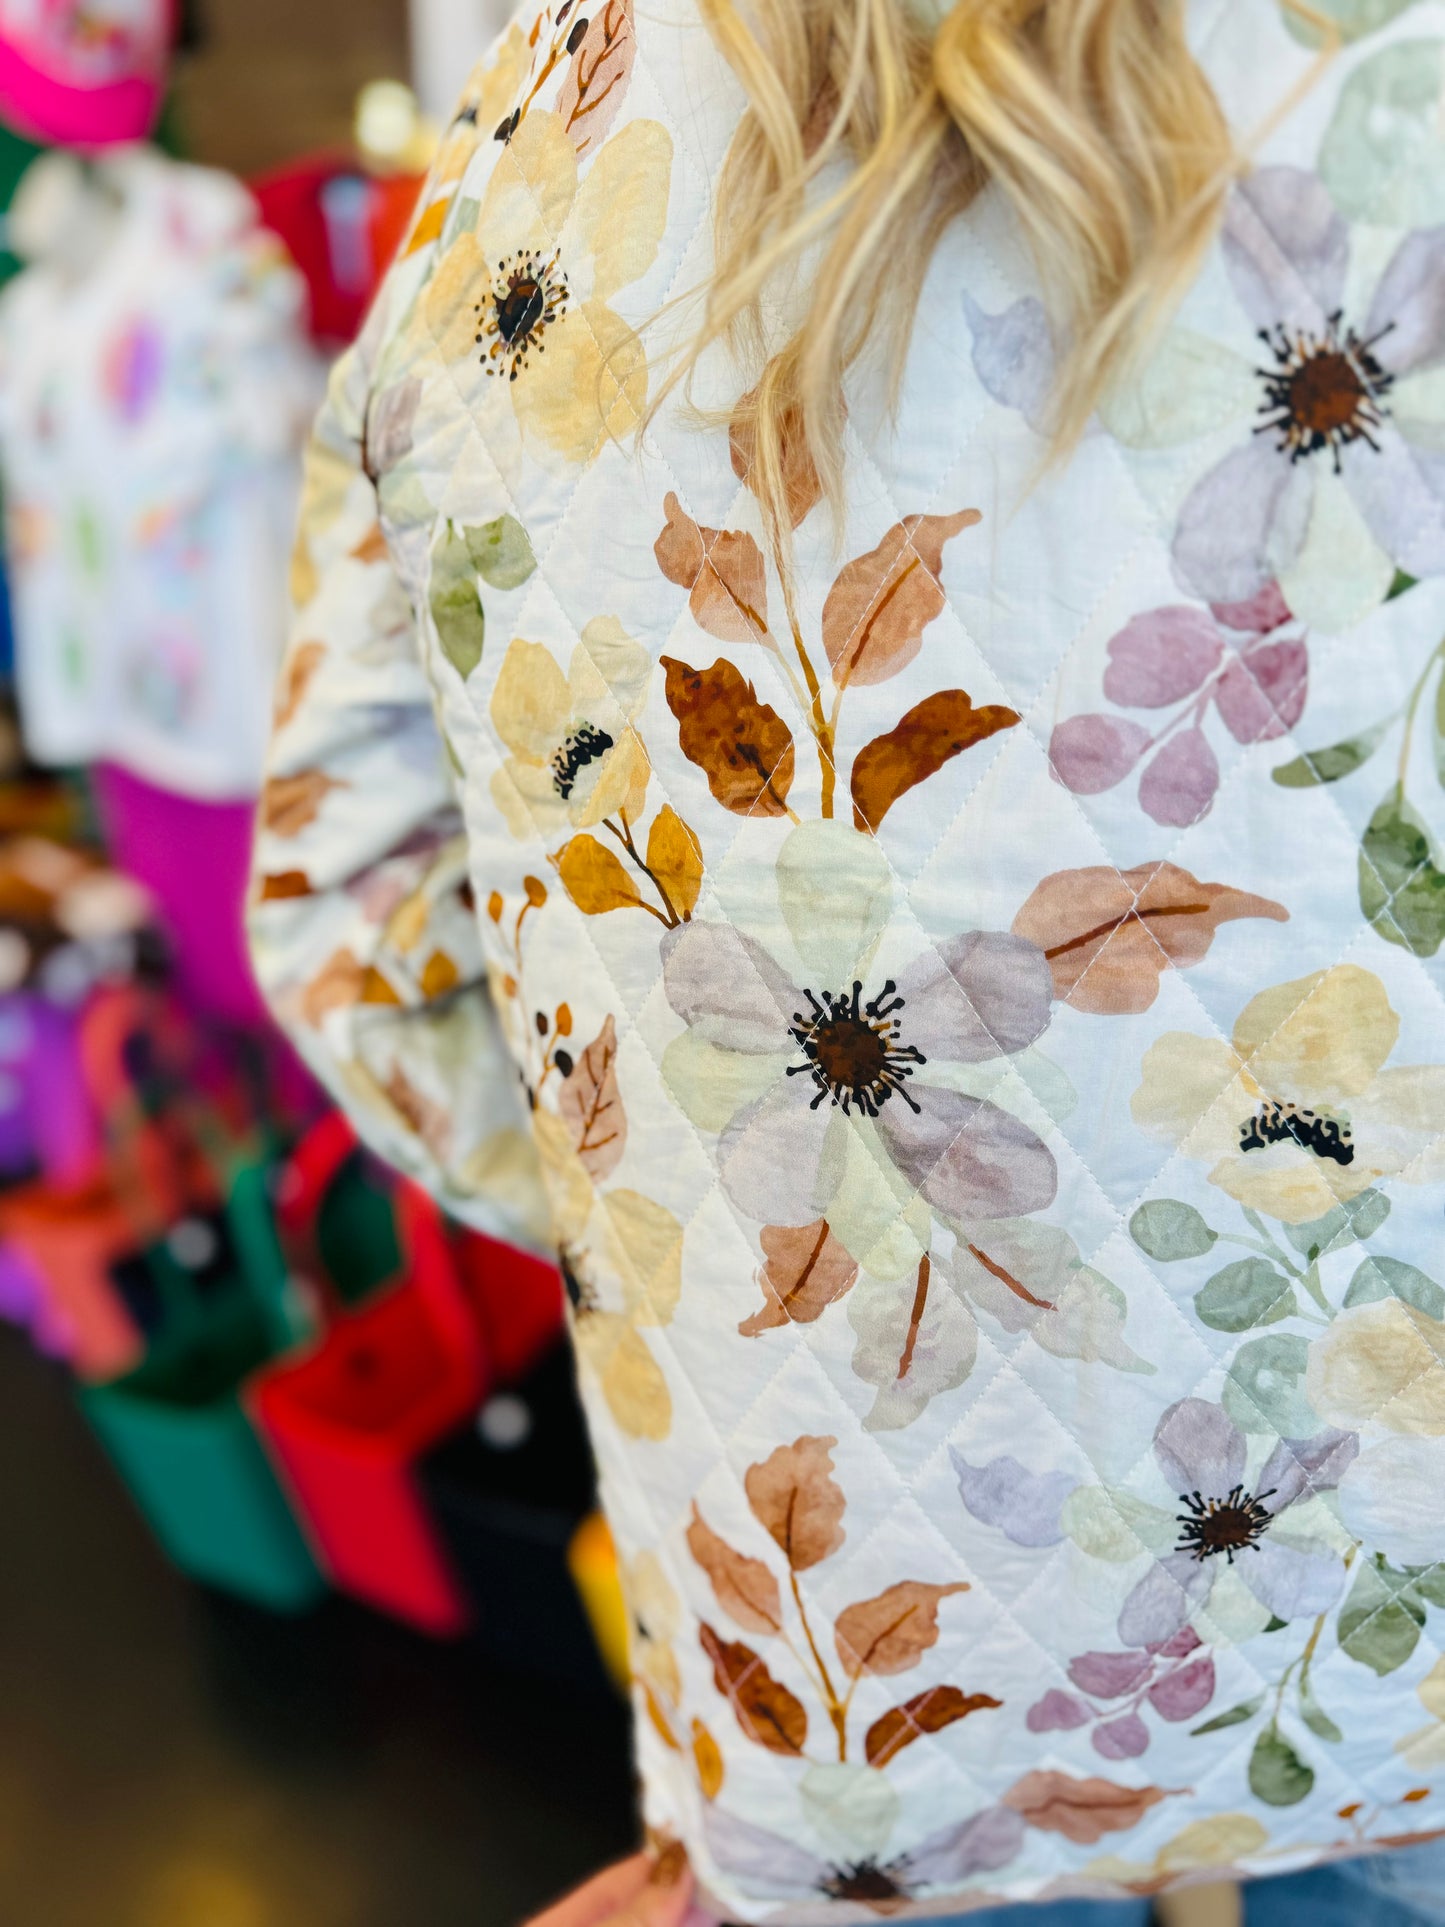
(970, 1024)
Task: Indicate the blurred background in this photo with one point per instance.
(306, 1617)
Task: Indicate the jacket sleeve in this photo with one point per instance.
(362, 916)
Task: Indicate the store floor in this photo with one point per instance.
(170, 1759)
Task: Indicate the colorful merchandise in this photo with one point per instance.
(973, 1027)
(153, 379)
(84, 73)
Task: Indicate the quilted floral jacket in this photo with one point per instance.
(976, 1040)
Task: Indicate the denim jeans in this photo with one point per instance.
(1402, 1889)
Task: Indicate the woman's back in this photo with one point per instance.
(969, 993)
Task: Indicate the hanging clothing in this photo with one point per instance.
(84, 73)
(154, 383)
(977, 1048)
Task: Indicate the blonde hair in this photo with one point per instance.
(1093, 118)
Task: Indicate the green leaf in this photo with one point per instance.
(1380, 1278)
(1277, 1774)
(1314, 1715)
(1437, 733)
(1328, 765)
(501, 553)
(1343, 1224)
(1382, 158)
(1401, 582)
(1427, 1583)
(1379, 1623)
(1402, 893)
(456, 606)
(1236, 1716)
(1166, 1229)
(1265, 1389)
(1249, 1292)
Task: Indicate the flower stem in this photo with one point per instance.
(1412, 708)
(822, 729)
(624, 837)
(837, 1712)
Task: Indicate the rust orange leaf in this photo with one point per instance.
(302, 662)
(802, 490)
(794, 1498)
(741, 745)
(805, 1270)
(1109, 935)
(932, 733)
(745, 1588)
(1082, 1810)
(289, 804)
(722, 570)
(591, 1105)
(892, 1632)
(768, 1713)
(929, 1712)
(881, 603)
(707, 1757)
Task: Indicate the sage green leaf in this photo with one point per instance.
(1437, 731)
(1265, 1389)
(501, 553)
(1344, 1224)
(1380, 1278)
(1379, 1623)
(1328, 765)
(456, 606)
(1382, 158)
(1236, 1716)
(1277, 1774)
(1246, 1293)
(1167, 1229)
(1353, 18)
(1427, 1583)
(1314, 1715)
(1402, 892)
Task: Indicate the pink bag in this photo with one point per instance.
(84, 73)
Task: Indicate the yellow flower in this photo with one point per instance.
(622, 1262)
(486, 101)
(1298, 1113)
(524, 299)
(1382, 1363)
(575, 754)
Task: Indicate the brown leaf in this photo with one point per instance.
(290, 803)
(743, 746)
(1082, 1810)
(591, 1105)
(285, 884)
(880, 605)
(594, 878)
(300, 666)
(372, 546)
(766, 1711)
(933, 732)
(422, 1114)
(439, 975)
(376, 990)
(746, 1590)
(659, 1719)
(929, 1712)
(707, 1756)
(597, 79)
(1109, 934)
(722, 569)
(674, 857)
(793, 1495)
(806, 1269)
(891, 1633)
(336, 986)
(801, 487)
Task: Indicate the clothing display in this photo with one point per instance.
(155, 380)
(969, 1016)
(85, 73)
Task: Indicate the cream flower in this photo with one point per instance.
(1382, 1364)
(525, 298)
(622, 1265)
(1298, 1113)
(576, 756)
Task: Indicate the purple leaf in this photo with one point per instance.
(1123, 1739)
(1178, 786)
(1108, 1676)
(1057, 1712)
(1025, 1505)
(1262, 692)
(1093, 753)
(1182, 1694)
(1162, 657)
(1258, 616)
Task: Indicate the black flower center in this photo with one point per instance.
(853, 1051)
(1228, 1525)
(580, 1295)
(866, 1881)
(1323, 391)
(1273, 1123)
(585, 745)
(528, 295)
